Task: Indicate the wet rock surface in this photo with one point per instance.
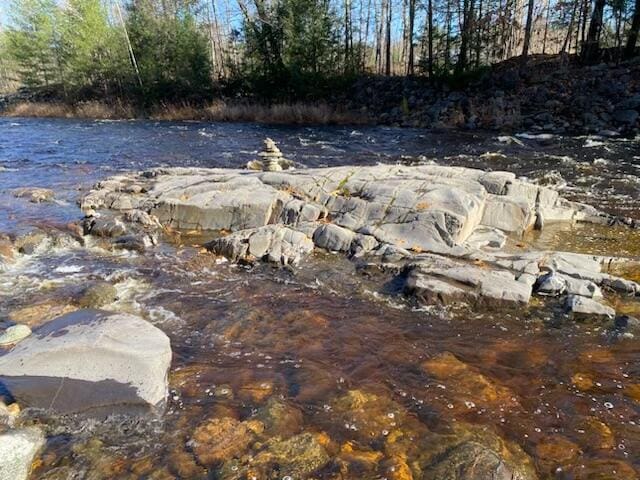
(445, 226)
(89, 360)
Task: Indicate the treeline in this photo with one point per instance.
(160, 50)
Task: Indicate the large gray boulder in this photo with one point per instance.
(90, 360)
(18, 448)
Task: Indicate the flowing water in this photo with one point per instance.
(381, 382)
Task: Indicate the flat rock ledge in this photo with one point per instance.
(90, 361)
(445, 228)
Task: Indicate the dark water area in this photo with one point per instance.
(381, 383)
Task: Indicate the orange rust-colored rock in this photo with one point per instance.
(256, 391)
(40, 313)
(184, 465)
(396, 468)
(220, 439)
(467, 383)
(556, 450)
(604, 469)
(633, 391)
(596, 434)
(582, 381)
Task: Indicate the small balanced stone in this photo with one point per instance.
(14, 334)
(271, 159)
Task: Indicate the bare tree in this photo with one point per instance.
(430, 46)
(527, 29)
(387, 54)
(592, 42)
(412, 20)
(633, 32)
(467, 14)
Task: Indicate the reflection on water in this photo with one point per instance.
(314, 373)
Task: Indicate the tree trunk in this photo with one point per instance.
(466, 32)
(567, 38)
(387, 70)
(546, 28)
(412, 19)
(430, 15)
(527, 30)
(479, 34)
(592, 43)
(130, 48)
(633, 32)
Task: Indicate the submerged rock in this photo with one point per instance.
(220, 439)
(18, 448)
(42, 312)
(97, 294)
(471, 461)
(296, 457)
(34, 194)
(90, 360)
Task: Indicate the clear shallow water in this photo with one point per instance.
(567, 393)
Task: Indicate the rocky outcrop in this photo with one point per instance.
(445, 228)
(89, 361)
(547, 93)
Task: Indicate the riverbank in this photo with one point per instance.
(217, 111)
(553, 94)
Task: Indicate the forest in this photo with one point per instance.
(156, 50)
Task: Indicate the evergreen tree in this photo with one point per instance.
(94, 50)
(171, 52)
(34, 42)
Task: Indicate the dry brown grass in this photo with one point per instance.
(217, 111)
(93, 110)
(287, 113)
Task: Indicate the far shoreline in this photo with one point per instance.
(297, 113)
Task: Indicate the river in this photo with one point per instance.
(566, 393)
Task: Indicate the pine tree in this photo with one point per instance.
(34, 42)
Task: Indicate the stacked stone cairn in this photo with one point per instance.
(271, 159)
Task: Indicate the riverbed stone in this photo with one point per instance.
(220, 439)
(587, 307)
(97, 294)
(90, 361)
(471, 461)
(18, 448)
(34, 194)
(41, 312)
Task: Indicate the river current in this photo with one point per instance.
(321, 348)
